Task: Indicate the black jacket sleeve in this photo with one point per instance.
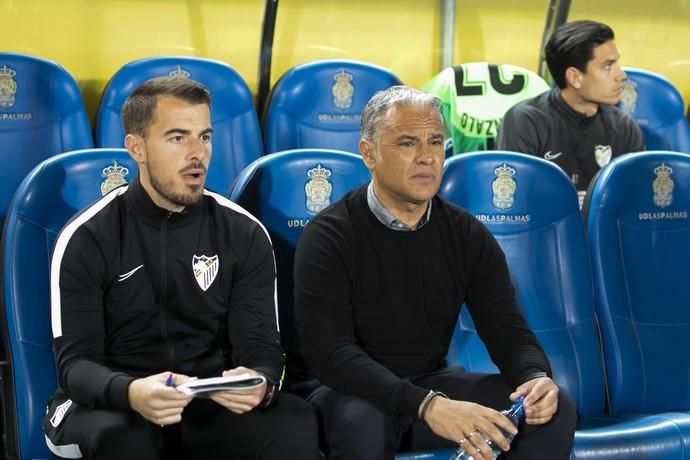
(252, 316)
(325, 323)
(77, 280)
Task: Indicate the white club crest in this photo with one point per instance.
(205, 270)
(179, 72)
(8, 87)
(663, 186)
(342, 90)
(115, 175)
(628, 102)
(602, 154)
(504, 187)
(318, 189)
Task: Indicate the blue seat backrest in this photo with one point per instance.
(41, 114)
(285, 190)
(531, 208)
(657, 106)
(638, 228)
(47, 198)
(236, 131)
(318, 105)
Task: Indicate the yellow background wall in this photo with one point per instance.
(94, 38)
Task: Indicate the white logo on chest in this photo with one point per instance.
(205, 270)
(602, 154)
(552, 156)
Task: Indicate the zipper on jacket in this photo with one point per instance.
(164, 293)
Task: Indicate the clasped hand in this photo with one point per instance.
(470, 424)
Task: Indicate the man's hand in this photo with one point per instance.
(239, 401)
(541, 399)
(157, 402)
(468, 424)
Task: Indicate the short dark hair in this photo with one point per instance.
(139, 108)
(572, 45)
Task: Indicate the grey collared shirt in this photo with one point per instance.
(389, 220)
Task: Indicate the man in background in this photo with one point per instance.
(575, 125)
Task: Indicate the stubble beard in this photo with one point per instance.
(166, 190)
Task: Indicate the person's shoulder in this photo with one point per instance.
(94, 226)
(458, 217)
(618, 116)
(532, 107)
(98, 215)
(233, 212)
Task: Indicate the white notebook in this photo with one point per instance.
(235, 382)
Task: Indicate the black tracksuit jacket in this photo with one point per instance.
(137, 290)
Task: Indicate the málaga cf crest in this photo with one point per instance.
(205, 270)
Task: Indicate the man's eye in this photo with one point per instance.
(406, 143)
(437, 142)
(177, 138)
(206, 138)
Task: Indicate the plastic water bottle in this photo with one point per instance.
(514, 414)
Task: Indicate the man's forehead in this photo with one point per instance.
(400, 119)
(171, 107)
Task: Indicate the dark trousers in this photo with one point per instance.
(208, 431)
(353, 429)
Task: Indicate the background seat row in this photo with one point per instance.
(314, 105)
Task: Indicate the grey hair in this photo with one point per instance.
(395, 96)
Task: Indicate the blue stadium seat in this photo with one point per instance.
(236, 131)
(47, 198)
(284, 190)
(318, 105)
(639, 239)
(657, 106)
(532, 209)
(41, 114)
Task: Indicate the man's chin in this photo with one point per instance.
(614, 100)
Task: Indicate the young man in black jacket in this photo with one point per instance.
(161, 281)
(576, 125)
(379, 280)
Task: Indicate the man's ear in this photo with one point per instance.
(135, 147)
(573, 76)
(367, 149)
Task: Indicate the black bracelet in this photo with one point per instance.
(270, 395)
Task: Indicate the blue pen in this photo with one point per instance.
(170, 381)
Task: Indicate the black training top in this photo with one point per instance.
(546, 126)
(374, 305)
(137, 290)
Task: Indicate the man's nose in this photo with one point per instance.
(425, 154)
(623, 75)
(198, 149)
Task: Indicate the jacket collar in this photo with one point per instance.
(575, 117)
(140, 203)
